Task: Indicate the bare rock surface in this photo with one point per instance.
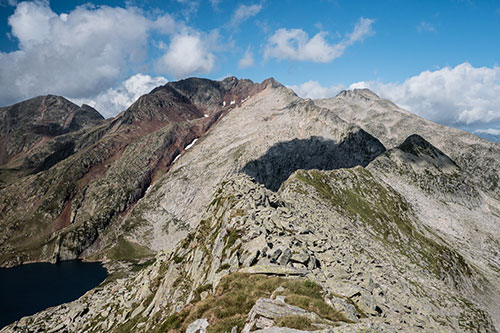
(391, 124)
(271, 135)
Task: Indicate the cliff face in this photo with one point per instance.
(234, 206)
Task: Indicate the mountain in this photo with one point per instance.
(488, 136)
(78, 184)
(31, 123)
(391, 125)
(236, 206)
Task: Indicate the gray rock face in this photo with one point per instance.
(456, 195)
(198, 326)
(266, 311)
(282, 159)
(392, 125)
(271, 135)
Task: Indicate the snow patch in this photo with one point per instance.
(205, 115)
(232, 102)
(176, 158)
(224, 103)
(191, 144)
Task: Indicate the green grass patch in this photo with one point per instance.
(231, 238)
(137, 267)
(296, 322)
(223, 267)
(178, 259)
(126, 250)
(237, 293)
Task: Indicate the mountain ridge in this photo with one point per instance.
(201, 184)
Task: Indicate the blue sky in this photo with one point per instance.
(437, 58)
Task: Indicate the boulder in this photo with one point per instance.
(198, 326)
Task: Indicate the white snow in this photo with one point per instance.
(232, 102)
(191, 144)
(205, 115)
(176, 158)
(224, 103)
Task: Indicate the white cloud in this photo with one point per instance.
(190, 7)
(115, 100)
(215, 3)
(490, 131)
(425, 26)
(188, 53)
(295, 44)
(312, 89)
(243, 13)
(5, 3)
(76, 54)
(31, 23)
(362, 29)
(247, 60)
(459, 96)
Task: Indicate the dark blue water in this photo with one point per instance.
(27, 289)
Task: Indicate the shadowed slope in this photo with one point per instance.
(284, 158)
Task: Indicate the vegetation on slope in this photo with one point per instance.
(237, 293)
(357, 194)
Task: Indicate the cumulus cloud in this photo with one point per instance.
(117, 99)
(247, 60)
(461, 96)
(425, 26)
(243, 13)
(188, 53)
(314, 90)
(490, 131)
(76, 54)
(295, 44)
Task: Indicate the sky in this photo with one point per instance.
(438, 59)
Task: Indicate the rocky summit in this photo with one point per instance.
(233, 206)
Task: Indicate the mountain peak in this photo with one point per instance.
(363, 93)
(24, 124)
(423, 150)
(272, 82)
(416, 145)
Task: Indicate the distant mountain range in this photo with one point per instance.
(238, 206)
(493, 137)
